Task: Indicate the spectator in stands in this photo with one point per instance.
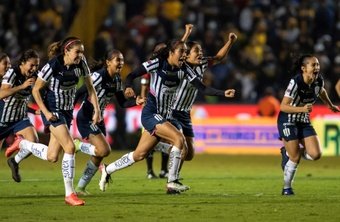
(269, 105)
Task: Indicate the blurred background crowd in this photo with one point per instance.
(271, 34)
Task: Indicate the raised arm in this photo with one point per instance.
(188, 29)
(225, 49)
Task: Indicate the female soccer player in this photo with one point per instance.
(186, 92)
(107, 83)
(294, 122)
(145, 82)
(15, 93)
(5, 64)
(60, 77)
(167, 71)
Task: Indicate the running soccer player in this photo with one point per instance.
(15, 93)
(60, 77)
(293, 122)
(107, 83)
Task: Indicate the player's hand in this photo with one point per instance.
(188, 28)
(52, 117)
(229, 93)
(28, 82)
(96, 118)
(37, 112)
(140, 100)
(232, 37)
(129, 92)
(308, 108)
(334, 108)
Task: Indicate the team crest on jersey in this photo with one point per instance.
(317, 90)
(77, 71)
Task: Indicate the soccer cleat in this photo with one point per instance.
(82, 192)
(287, 191)
(14, 147)
(15, 169)
(77, 144)
(73, 200)
(151, 175)
(284, 156)
(105, 178)
(176, 187)
(163, 174)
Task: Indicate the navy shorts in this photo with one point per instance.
(150, 118)
(295, 131)
(64, 117)
(85, 126)
(7, 129)
(184, 120)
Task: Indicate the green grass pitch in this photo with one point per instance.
(223, 188)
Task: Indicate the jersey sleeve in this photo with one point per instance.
(96, 79)
(189, 73)
(9, 77)
(292, 89)
(119, 83)
(145, 80)
(151, 65)
(85, 67)
(46, 72)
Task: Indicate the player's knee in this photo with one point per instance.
(316, 156)
(52, 159)
(103, 152)
(179, 141)
(139, 156)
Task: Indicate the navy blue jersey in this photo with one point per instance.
(62, 81)
(14, 107)
(186, 93)
(106, 87)
(164, 81)
(301, 94)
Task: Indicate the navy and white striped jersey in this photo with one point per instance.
(301, 94)
(186, 93)
(14, 107)
(105, 87)
(164, 82)
(62, 81)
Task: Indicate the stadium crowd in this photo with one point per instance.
(270, 34)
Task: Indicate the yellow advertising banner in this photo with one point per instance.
(328, 131)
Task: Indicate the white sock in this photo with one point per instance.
(22, 154)
(174, 163)
(87, 148)
(37, 149)
(123, 162)
(67, 169)
(89, 172)
(163, 147)
(288, 174)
